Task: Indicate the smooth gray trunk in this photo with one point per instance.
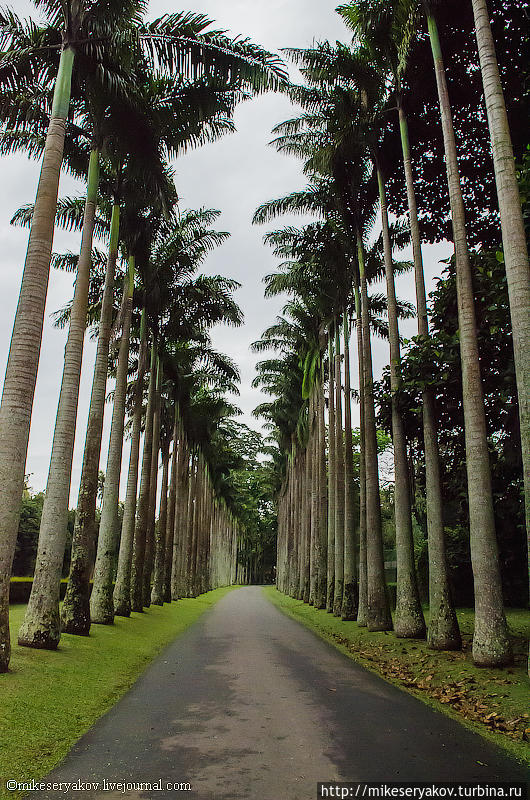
(101, 599)
(75, 611)
(408, 619)
(142, 510)
(491, 641)
(351, 584)
(122, 588)
(41, 627)
(378, 609)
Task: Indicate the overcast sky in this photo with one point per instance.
(234, 175)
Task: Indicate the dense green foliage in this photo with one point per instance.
(455, 22)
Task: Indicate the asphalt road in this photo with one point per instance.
(250, 704)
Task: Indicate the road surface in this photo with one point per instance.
(248, 704)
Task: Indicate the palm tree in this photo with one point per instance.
(177, 42)
(101, 603)
(513, 232)
(142, 509)
(75, 612)
(363, 104)
(383, 34)
(330, 140)
(362, 608)
(55, 509)
(378, 615)
(305, 278)
(42, 615)
(71, 29)
(408, 620)
(351, 586)
(491, 641)
(339, 482)
(153, 487)
(159, 570)
(153, 120)
(122, 588)
(201, 109)
(172, 501)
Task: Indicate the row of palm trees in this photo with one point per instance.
(95, 89)
(348, 93)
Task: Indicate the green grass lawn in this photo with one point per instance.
(494, 702)
(49, 699)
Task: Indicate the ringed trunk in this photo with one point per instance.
(122, 587)
(153, 483)
(41, 626)
(140, 527)
(75, 612)
(331, 479)
(101, 599)
(408, 620)
(24, 352)
(362, 609)
(351, 585)
(378, 609)
(157, 594)
(491, 641)
(339, 481)
(443, 632)
(513, 232)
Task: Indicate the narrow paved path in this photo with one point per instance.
(248, 704)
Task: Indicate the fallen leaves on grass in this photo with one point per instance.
(467, 697)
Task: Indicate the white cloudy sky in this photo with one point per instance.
(234, 175)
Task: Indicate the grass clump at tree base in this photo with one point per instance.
(50, 698)
(493, 702)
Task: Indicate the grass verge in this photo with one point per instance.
(494, 703)
(49, 699)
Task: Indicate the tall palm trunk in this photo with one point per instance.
(157, 594)
(24, 350)
(142, 511)
(41, 627)
(298, 487)
(122, 588)
(331, 477)
(312, 500)
(206, 545)
(351, 585)
(443, 633)
(312, 477)
(378, 609)
(491, 642)
(205, 571)
(153, 485)
(362, 609)
(408, 620)
(75, 612)
(178, 533)
(339, 480)
(303, 552)
(101, 599)
(320, 600)
(179, 529)
(185, 532)
(287, 529)
(195, 527)
(172, 500)
(187, 567)
(513, 232)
